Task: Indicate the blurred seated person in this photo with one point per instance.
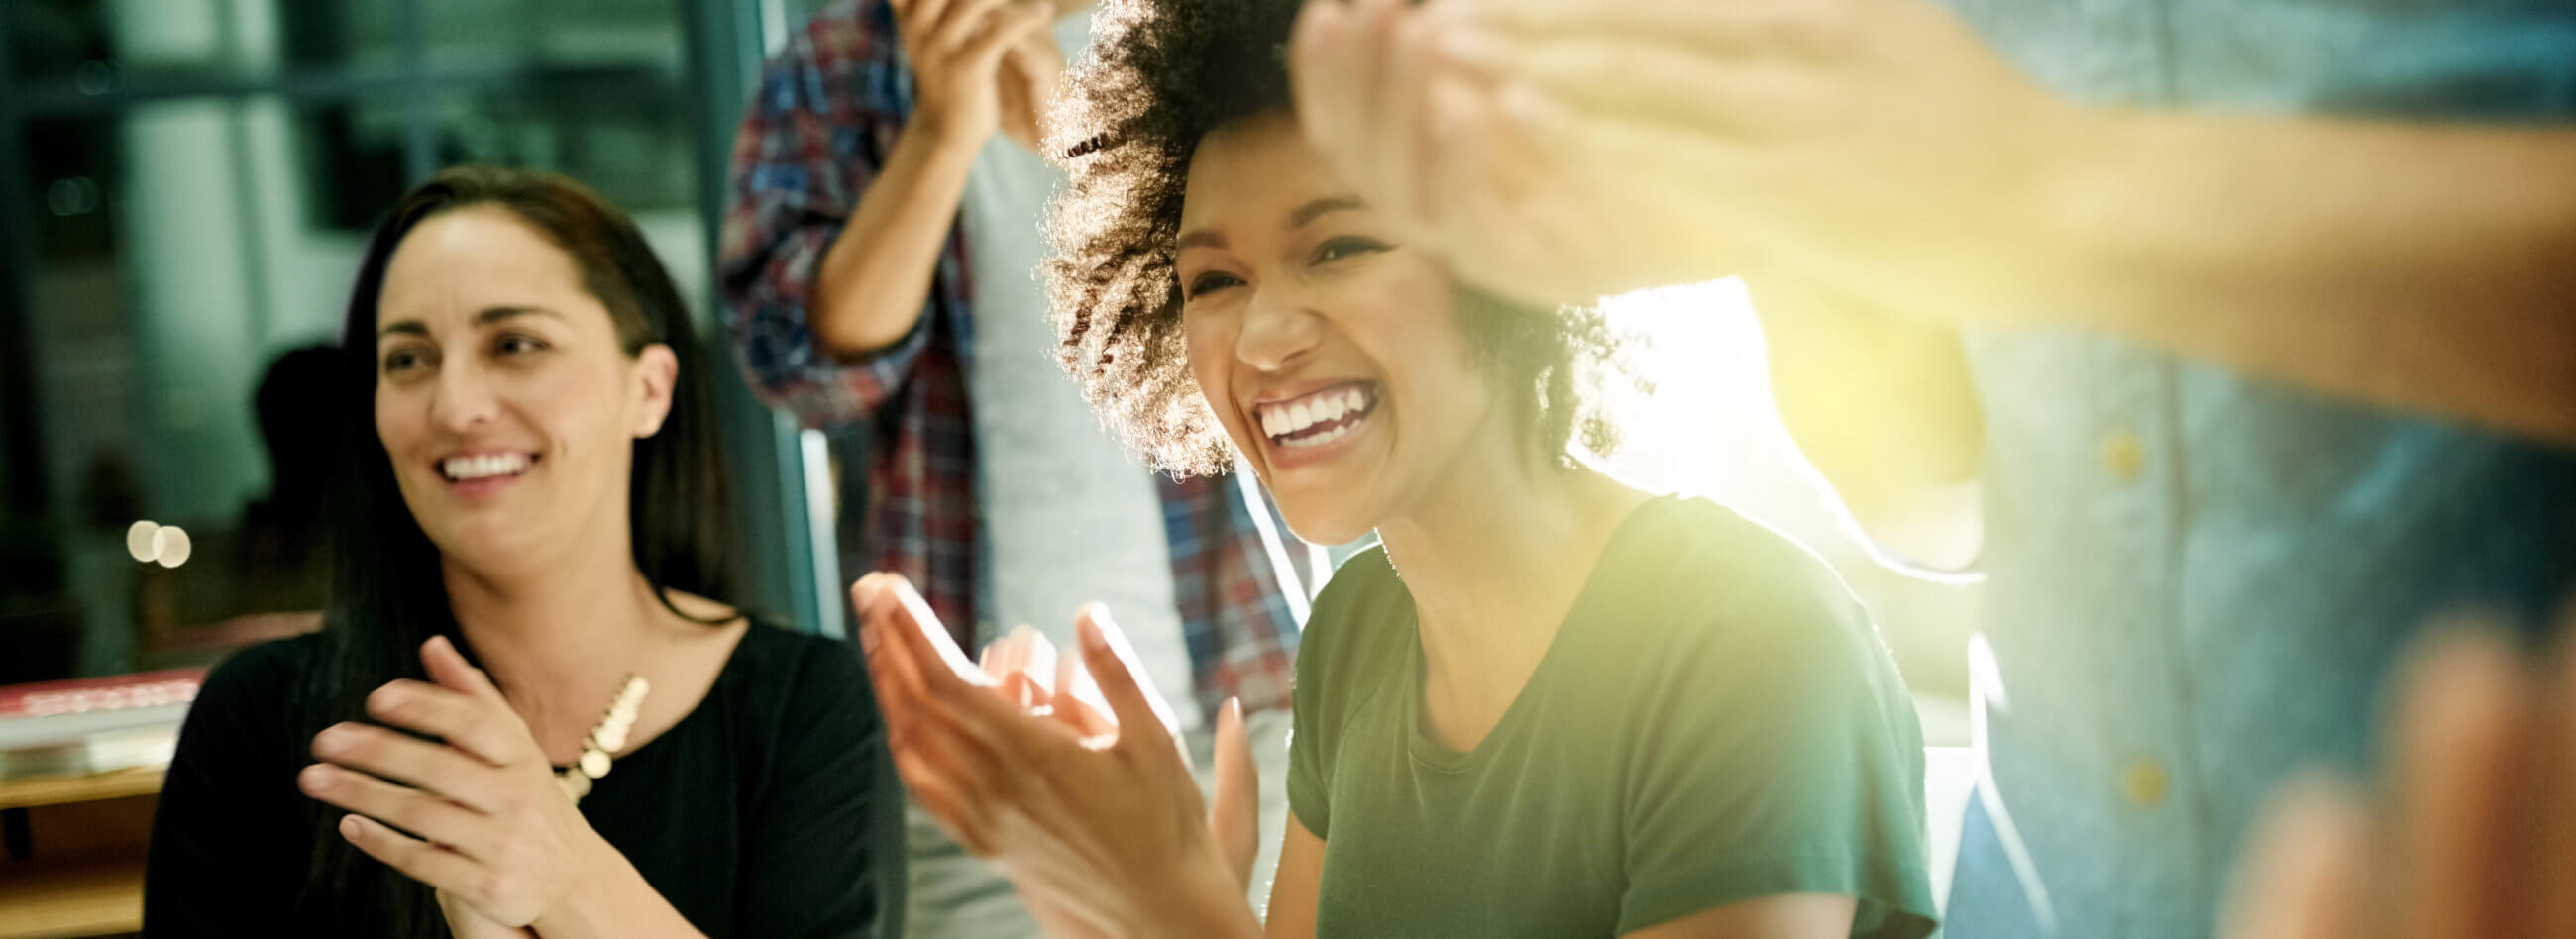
(282, 561)
(276, 565)
(531, 596)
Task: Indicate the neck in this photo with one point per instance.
(1494, 560)
(550, 638)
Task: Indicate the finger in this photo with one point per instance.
(1737, 27)
(1382, 104)
(419, 860)
(1661, 83)
(1315, 80)
(924, 663)
(962, 22)
(910, 626)
(1401, 135)
(1234, 814)
(485, 730)
(919, 18)
(449, 669)
(2303, 876)
(1078, 703)
(2457, 732)
(419, 813)
(420, 764)
(1007, 26)
(1112, 663)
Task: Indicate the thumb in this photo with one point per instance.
(1235, 814)
(448, 669)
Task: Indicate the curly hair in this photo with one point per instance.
(1161, 74)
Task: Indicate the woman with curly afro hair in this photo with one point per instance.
(1547, 704)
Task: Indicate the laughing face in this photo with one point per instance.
(503, 397)
(1331, 353)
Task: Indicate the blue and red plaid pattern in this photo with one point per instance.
(827, 113)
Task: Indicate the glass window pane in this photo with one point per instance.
(468, 34)
(621, 131)
(183, 251)
(99, 46)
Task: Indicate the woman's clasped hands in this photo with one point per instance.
(474, 813)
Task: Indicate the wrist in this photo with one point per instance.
(607, 897)
(943, 134)
(1208, 902)
(2094, 163)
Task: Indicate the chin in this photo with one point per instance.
(1324, 525)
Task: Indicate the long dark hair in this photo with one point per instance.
(387, 596)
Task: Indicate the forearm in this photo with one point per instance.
(872, 284)
(2418, 267)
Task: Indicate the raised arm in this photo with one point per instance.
(831, 244)
(1557, 148)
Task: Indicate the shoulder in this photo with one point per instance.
(1350, 615)
(265, 677)
(254, 704)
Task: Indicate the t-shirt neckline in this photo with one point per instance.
(1430, 753)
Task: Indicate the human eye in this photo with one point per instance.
(1209, 282)
(1335, 249)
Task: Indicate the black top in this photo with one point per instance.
(768, 811)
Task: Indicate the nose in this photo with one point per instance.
(462, 400)
(1278, 329)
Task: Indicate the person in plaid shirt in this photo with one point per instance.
(878, 262)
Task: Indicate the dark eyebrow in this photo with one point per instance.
(485, 318)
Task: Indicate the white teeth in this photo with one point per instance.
(1283, 420)
(479, 467)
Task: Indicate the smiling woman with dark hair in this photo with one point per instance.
(1547, 705)
(531, 525)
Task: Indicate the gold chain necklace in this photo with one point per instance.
(606, 737)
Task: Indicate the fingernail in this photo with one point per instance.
(327, 742)
(349, 827)
(314, 777)
(867, 638)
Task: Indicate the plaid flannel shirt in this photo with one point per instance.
(827, 113)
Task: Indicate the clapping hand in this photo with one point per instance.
(2474, 836)
(1099, 826)
(474, 812)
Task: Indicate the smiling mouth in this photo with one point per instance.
(1319, 418)
(467, 469)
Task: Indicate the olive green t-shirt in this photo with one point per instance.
(1716, 721)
